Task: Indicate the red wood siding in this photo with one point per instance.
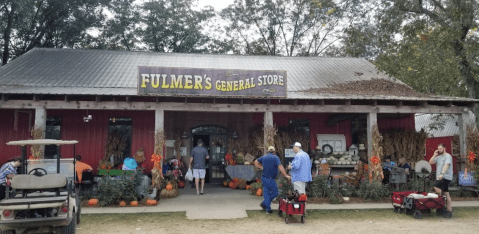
(400, 123)
(7, 132)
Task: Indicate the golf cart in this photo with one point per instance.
(43, 196)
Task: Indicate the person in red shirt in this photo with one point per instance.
(80, 167)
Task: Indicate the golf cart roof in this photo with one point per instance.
(42, 142)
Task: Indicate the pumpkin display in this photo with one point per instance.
(92, 202)
(247, 187)
(259, 192)
(122, 203)
(181, 184)
(169, 186)
(232, 184)
(151, 202)
(134, 203)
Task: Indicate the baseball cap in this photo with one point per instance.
(271, 149)
(297, 144)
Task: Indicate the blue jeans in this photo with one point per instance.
(270, 191)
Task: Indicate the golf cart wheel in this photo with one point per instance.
(303, 219)
(71, 228)
(286, 220)
(417, 214)
(447, 214)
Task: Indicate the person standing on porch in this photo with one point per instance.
(300, 169)
(198, 158)
(444, 173)
(270, 164)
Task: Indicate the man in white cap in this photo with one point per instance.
(270, 164)
(300, 169)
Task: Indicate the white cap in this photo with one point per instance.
(297, 144)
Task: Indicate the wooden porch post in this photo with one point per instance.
(462, 120)
(268, 122)
(160, 126)
(41, 123)
(372, 120)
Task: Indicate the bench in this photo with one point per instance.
(33, 182)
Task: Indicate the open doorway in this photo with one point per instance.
(206, 144)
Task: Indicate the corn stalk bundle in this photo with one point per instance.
(156, 179)
(269, 134)
(388, 145)
(401, 143)
(377, 150)
(472, 141)
(37, 152)
(160, 141)
(421, 139)
(177, 147)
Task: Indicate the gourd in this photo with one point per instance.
(169, 187)
(122, 203)
(259, 192)
(247, 187)
(151, 202)
(134, 203)
(92, 202)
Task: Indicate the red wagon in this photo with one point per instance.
(398, 199)
(425, 205)
(291, 208)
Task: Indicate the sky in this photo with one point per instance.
(217, 4)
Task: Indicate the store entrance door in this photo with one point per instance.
(215, 139)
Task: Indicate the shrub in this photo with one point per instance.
(374, 191)
(418, 184)
(284, 185)
(334, 194)
(319, 187)
(124, 187)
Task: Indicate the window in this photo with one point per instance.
(122, 128)
(52, 131)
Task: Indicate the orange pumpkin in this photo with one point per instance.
(259, 192)
(151, 202)
(134, 203)
(225, 183)
(92, 202)
(247, 187)
(169, 186)
(232, 184)
(103, 166)
(122, 203)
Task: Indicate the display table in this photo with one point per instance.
(242, 172)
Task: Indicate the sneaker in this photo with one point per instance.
(201, 193)
(262, 206)
(269, 212)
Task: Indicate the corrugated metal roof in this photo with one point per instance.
(103, 72)
(450, 127)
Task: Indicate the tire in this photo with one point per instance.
(417, 214)
(447, 214)
(286, 220)
(439, 211)
(303, 219)
(72, 227)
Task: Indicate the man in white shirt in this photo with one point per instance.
(444, 173)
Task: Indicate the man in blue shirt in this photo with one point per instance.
(198, 158)
(8, 171)
(270, 164)
(300, 169)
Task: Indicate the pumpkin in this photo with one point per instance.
(134, 203)
(232, 184)
(259, 192)
(247, 187)
(181, 184)
(151, 202)
(225, 183)
(103, 166)
(92, 202)
(122, 203)
(169, 186)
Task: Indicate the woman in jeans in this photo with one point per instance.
(8, 171)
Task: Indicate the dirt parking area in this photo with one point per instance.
(465, 220)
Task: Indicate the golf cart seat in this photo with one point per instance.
(33, 182)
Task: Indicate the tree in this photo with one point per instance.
(174, 26)
(45, 23)
(281, 27)
(119, 31)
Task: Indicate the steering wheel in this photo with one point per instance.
(36, 171)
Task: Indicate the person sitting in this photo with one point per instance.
(403, 164)
(129, 164)
(80, 167)
(387, 167)
(8, 171)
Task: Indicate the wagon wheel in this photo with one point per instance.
(439, 211)
(447, 214)
(417, 214)
(286, 220)
(303, 219)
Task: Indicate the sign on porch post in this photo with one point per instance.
(171, 81)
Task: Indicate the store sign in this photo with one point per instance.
(170, 81)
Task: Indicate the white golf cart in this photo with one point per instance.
(43, 197)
